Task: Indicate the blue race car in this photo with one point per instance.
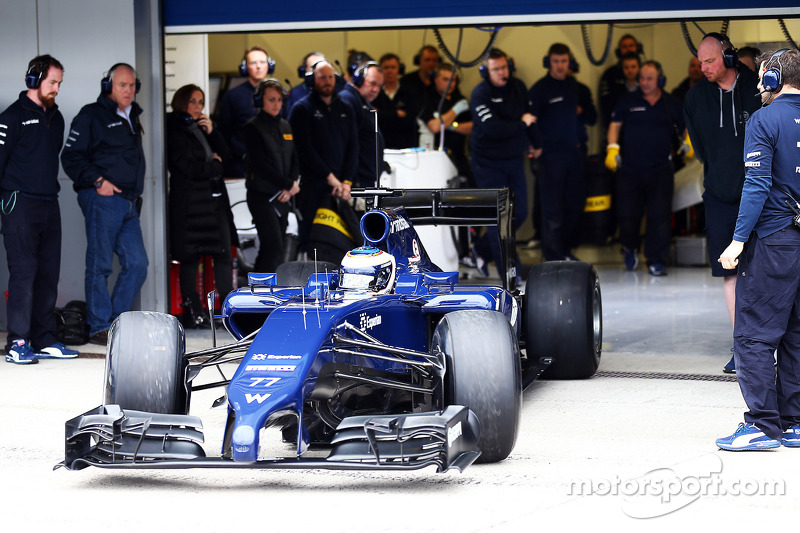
(384, 359)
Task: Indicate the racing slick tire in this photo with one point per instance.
(483, 373)
(296, 273)
(145, 367)
(563, 318)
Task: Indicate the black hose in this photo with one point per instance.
(686, 37)
(786, 34)
(468, 64)
(588, 47)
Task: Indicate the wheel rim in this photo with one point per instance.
(597, 318)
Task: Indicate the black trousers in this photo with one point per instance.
(32, 238)
(271, 229)
(649, 193)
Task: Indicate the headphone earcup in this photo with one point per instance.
(106, 85)
(730, 58)
(546, 62)
(662, 81)
(308, 79)
(270, 65)
(33, 79)
(771, 80)
(484, 71)
(301, 72)
(243, 68)
(402, 70)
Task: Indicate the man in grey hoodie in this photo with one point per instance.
(716, 110)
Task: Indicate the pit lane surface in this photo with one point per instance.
(615, 436)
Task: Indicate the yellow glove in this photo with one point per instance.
(612, 157)
(686, 149)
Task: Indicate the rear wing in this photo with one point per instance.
(456, 207)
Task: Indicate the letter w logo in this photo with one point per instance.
(797, 121)
(256, 397)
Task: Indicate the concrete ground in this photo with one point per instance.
(631, 448)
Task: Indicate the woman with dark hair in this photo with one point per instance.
(272, 172)
(201, 222)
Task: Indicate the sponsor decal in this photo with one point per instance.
(754, 154)
(31, 121)
(287, 137)
(556, 100)
(597, 203)
(415, 251)
(453, 434)
(256, 397)
(637, 109)
(263, 382)
(270, 368)
(330, 218)
(369, 322)
(497, 100)
(399, 224)
(114, 124)
(797, 121)
(264, 357)
(752, 163)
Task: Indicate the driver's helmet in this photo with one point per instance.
(367, 268)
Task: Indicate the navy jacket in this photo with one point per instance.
(30, 139)
(770, 159)
(326, 140)
(235, 109)
(555, 105)
(497, 131)
(365, 122)
(102, 143)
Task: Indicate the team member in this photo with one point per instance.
(694, 77)
(418, 81)
(766, 247)
(499, 144)
(236, 107)
(716, 110)
(397, 107)
(103, 156)
(554, 106)
(613, 80)
(273, 173)
(325, 134)
(360, 92)
(31, 134)
(200, 218)
(649, 121)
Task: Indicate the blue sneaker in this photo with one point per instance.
(631, 259)
(657, 269)
(791, 437)
(58, 350)
(730, 366)
(747, 437)
(21, 353)
(480, 264)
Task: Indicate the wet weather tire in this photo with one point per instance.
(296, 273)
(145, 367)
(563, 318)
(482, 372)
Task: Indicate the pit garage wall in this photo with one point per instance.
(88, 36)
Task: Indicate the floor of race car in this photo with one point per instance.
(636, 441)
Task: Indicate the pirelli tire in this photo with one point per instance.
(481, 355)
(296, 273)
(145, 364)
(563, 318)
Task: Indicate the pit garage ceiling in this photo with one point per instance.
(208, 16)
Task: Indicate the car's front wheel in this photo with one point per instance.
(482, 372)
(145, 367)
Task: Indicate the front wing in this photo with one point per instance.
(110, 437)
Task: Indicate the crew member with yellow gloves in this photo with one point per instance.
(645, 180)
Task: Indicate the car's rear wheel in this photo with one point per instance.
(145, 367)
(563, 318)
(483, 373)
(296, 273)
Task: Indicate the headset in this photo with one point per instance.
(418, 56)
(107, 83)
(308, 77)
(361, 73)
(484, 68)
(730, 56)
(573, 64)
(639, 47)
(36, 73)
(401, 67)
(772, 80)
(258, 94)
(270, 62)
(301, 70)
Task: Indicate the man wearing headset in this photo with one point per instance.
(326, 138)
(716, 110)
(419, 80)
(31, 134)
(104, 158)
(766, 249)
(236, 107)
(360, 92)
(613, 81)
(499, 145)
(646, 124)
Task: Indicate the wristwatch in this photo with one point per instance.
(99, 182)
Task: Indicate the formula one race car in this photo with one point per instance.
(384, 359)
